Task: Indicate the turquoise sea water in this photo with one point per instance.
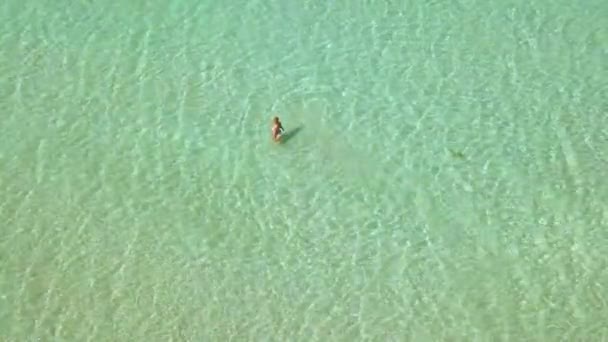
(446, 181)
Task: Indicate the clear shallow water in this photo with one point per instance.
(446, 181)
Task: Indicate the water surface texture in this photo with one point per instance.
(444, 179)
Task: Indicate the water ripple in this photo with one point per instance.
(442, 185)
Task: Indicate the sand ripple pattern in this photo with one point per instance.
(444, 181)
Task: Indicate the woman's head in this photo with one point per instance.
(275, 119)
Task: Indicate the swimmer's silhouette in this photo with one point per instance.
(277, 129)
(279, 135)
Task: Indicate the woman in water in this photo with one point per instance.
(277, 129)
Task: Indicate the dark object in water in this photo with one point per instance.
(457, 154)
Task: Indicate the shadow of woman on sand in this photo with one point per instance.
(290, 134)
